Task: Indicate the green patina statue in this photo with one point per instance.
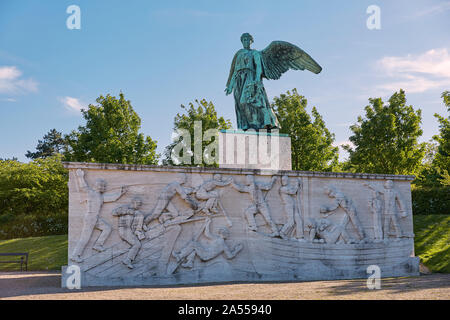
(253, 110)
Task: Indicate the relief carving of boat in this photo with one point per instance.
(305, 259)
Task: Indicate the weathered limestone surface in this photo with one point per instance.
(151, 225)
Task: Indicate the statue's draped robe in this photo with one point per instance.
(253, 110)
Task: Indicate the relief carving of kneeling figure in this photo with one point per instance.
(324, 231)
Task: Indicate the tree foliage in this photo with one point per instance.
(430, 200)
(442, 158)
(311, 141)
(33, 198)
(386, 140)
(429, 175)
(39, 186)
(52, 143)
(205, 113)
(111, 135)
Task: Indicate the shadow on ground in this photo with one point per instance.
(19, 284)
(16, 284)
(394, 285)
(22, 284)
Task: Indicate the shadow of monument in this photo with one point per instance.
(35, 283)
(394, 285)
(24, 284)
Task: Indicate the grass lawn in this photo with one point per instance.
(432, 245)
(45, 253)
(432, 241)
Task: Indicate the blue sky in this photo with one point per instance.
(164, 54)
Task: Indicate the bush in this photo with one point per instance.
(32, 225)
(33, 198)
(427, 201)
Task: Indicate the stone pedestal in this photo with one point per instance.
(254, 150)
(133, 225)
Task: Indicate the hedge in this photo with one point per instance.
(33, 198)
(32, 225)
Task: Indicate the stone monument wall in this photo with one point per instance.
(136, 225)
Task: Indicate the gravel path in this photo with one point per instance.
(46, 285)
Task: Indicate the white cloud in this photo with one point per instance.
(416, 73)
(342, 143)
(11, 81)
(72, 104)
(433, 62)
(343, 154)
(433, 10)
(8, 73)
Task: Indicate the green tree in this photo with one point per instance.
(52, 143)
(203, 113)
(386, 140)
(311, 141)
(38, 186)
(428, 176)
(33, 198)
(445, 180)
(111, 135)
(431, 189)
(442, 158)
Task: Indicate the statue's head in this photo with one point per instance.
(331, 191)
(100, 185)
(284, 180)
(389, 184)
(136, 203)
(246, 40)
(250, 179)
(217, 177)
(182, 178)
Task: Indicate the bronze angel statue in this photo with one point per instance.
(249, 67)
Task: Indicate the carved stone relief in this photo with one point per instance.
(258, 202)
(343, 202)
(207, 192)
(324, 231)
(130, 227)
(206, 251)
(163, 227)
(388, 206)
(290, 197)
(96, 197)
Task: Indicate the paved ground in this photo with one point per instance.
(45, 285)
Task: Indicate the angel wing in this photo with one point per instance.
(280, 56)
